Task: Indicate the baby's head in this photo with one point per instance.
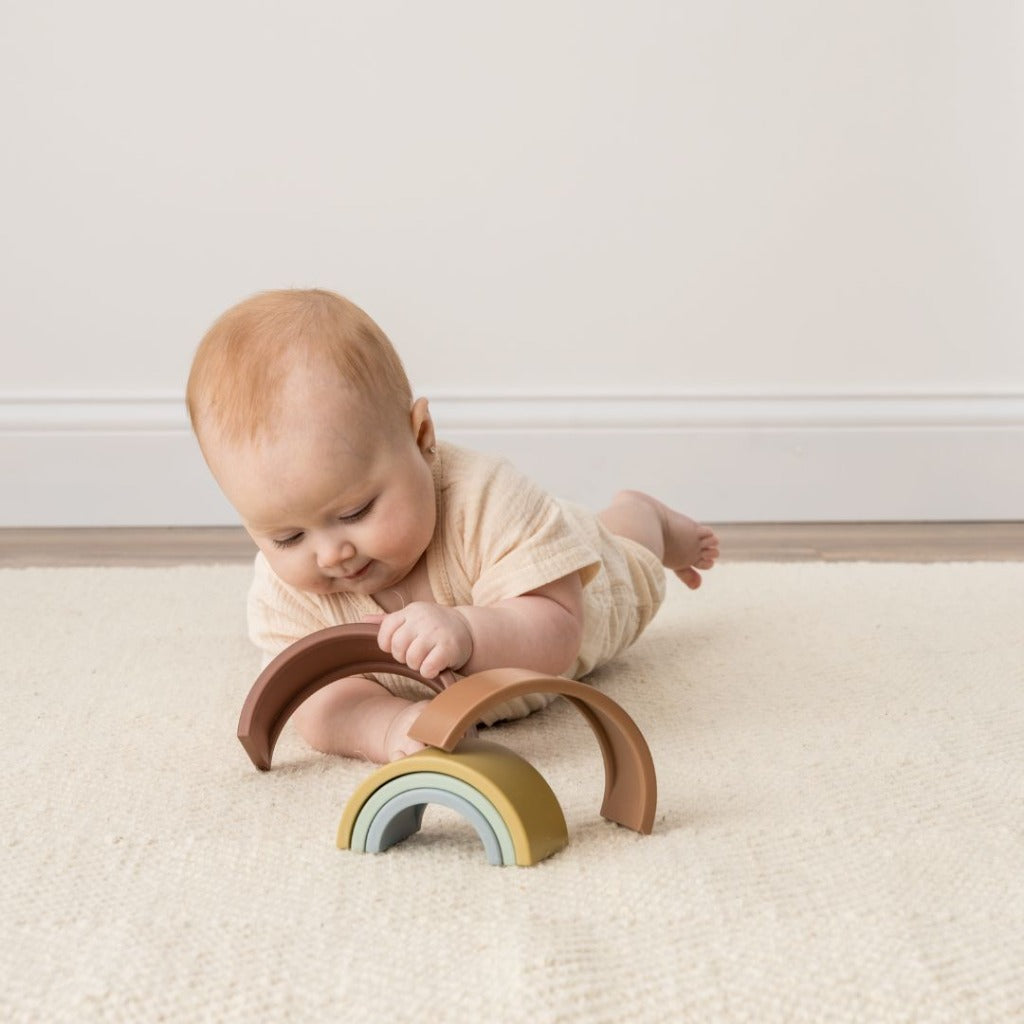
(236, 387)
(306, 419)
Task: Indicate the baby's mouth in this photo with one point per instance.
(352, 577)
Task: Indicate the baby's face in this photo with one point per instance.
(337, 501)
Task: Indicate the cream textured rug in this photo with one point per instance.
(840, 832)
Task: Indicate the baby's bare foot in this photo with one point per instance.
(397, 742)
(688, 546)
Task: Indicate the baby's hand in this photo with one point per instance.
(425, 636)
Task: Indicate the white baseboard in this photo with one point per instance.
(130, 460)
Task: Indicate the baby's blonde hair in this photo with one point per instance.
(244, 358)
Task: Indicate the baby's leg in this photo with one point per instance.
(356, 717)
(681, 544)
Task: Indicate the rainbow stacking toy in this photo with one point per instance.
(508, 802)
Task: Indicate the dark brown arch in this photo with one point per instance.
(303, 668)
(630, 784)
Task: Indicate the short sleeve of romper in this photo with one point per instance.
(499, 534)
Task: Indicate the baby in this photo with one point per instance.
(306, 419)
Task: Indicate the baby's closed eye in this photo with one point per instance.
(354, 517)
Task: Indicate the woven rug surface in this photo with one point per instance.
(839, 835)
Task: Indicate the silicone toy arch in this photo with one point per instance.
(303, 668)
(508, 802)
(630, 784)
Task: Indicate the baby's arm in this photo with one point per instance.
(540, 630)
(356, 717)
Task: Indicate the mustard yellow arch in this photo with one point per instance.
(495, 775)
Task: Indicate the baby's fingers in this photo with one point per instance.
(388, 627)
(434, 663)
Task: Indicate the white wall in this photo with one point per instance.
(765, 258)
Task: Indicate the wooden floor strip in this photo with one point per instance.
(741, 542)
(874, 542)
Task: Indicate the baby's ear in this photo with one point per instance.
(423, 426)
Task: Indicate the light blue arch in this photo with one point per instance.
(465, 799)
(402, 816)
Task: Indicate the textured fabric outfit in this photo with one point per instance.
(497, 536)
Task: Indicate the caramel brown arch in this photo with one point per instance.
(630, 785)
(303, 668)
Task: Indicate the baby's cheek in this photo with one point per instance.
(294, 571)
(407, 541)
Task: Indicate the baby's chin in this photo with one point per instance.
(376, 580)
(324, 586)
(362, 587)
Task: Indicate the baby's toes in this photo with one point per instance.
(404, 749)
(690, 577)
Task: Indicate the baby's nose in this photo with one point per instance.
(333, 552)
